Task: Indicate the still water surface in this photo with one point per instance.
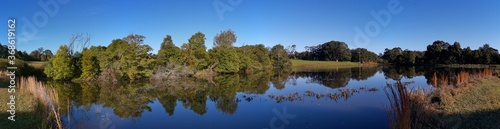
(313, 99)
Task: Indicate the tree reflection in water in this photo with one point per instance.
(335, 78)
(131, 100)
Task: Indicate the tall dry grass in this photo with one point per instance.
(417, 108)
(459, 78)
(3, 75)
(48, 97)
(399, 106)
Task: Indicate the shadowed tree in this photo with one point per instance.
(336, 51)
(363, 55)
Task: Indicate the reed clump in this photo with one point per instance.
(425, 109)
(47, 98)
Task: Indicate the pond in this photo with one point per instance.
(318, 99)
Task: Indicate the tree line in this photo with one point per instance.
(441, 52)
(130, 58)
(334, 51)
(39, 54)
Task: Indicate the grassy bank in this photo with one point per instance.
(35, 106)
(37, 64)
(327, 64)
(478, 107)
(473, 104)
(27, 109)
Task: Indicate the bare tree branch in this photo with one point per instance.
(77, 40)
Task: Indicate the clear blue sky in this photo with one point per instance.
(300, 22)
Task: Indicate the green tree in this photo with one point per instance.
(224, 59)
(37, 54)
(467, 55)
(90, 65)
(76, 62)
(59, 67)
(393, 55)
(194, 53)
(136, 62)
(438, 53)
(336, 50)
(488, 53)
(168, 51)
(47, 55)
(4, 51)
(254, 57)
(455, 51)
(363, 55)
(224, 56)
(409, 57)
(279, 56)
(128, 58)
(225, 38)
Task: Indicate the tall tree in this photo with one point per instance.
(194, 53)
(90, 62)
(279, 56)
(437, 53)
(225, 57)
(59, 67)
(467, 55)
(168, 51)
(336, 51)
(393, 56)
(136, 61)
(455, 53)
(291, 50)
(409, 57)
(47, 55)
(225, 38)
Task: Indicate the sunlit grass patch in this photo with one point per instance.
(37, 64)
(36, 106)
(473, 102)
(26, 110)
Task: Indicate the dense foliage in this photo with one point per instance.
(441, 52)
(39, 54)
(61, 67)
(129, 58)
(335, 51)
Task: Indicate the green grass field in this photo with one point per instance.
(327, 64)
(37, 64)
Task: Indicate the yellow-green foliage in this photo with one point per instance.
(226, 59)
(90, 65)
(168, 51)
(194, 53)
(60, 67)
